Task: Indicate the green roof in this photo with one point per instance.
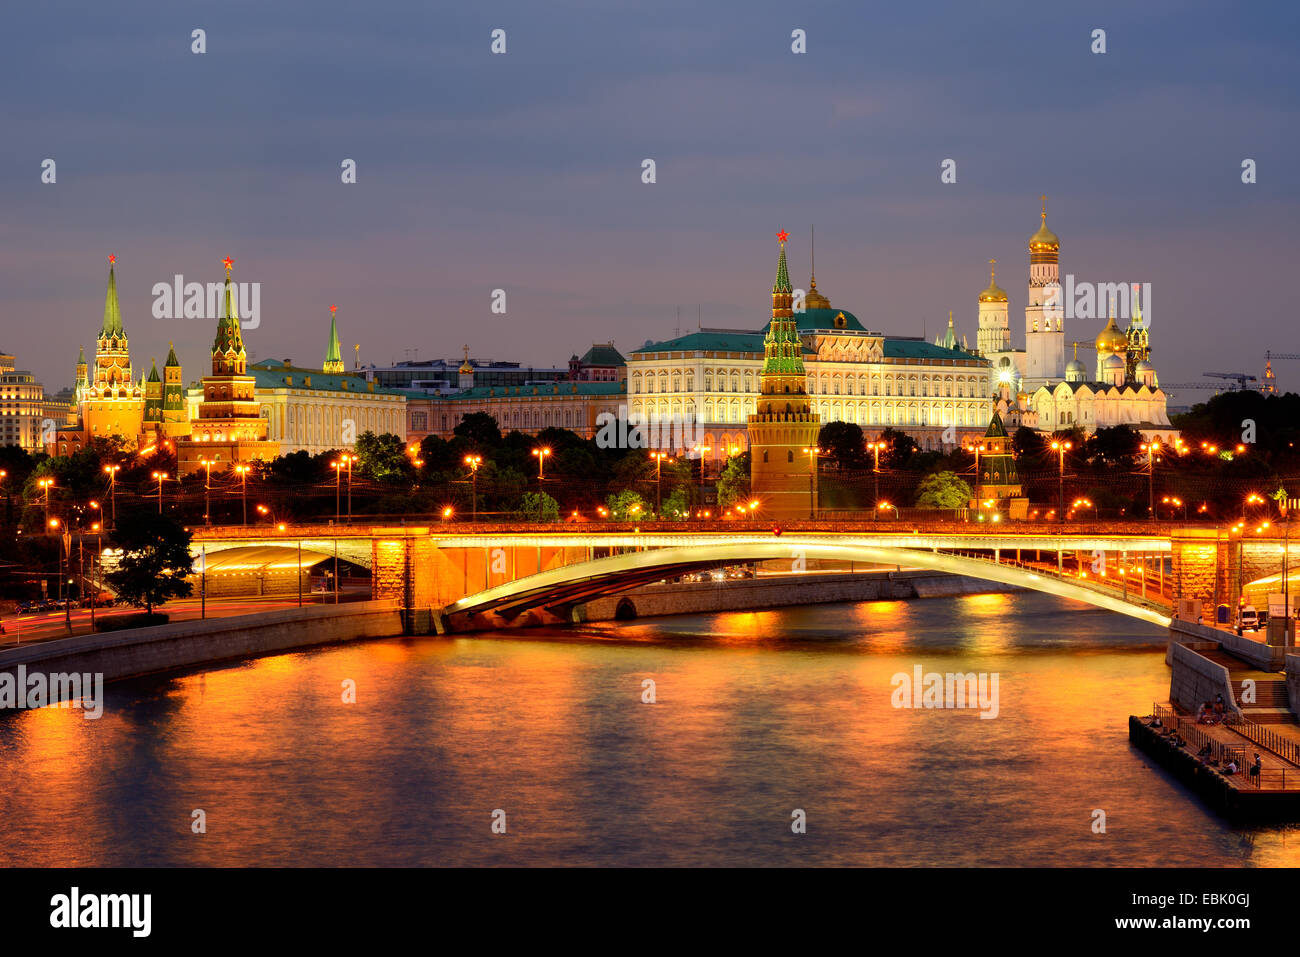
(153, 372)
(603, 354)
(708, 342)
(996, 429)
(274, 374)
(171, 357)
(228, 338)
(562, 388)
(918, 349)
(813, 319)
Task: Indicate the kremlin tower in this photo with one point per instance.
(229, 427)
(783, 473)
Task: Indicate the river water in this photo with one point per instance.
(756, 714)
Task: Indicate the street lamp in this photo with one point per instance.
(207, 490)
(112, 471)
(1176, 502)
(812, 454)
(1061, 448)
(242, 471)
(884, 505)
(1084, 503)
(976, 450)
(348, 459)
(474, 461)
(541, 454)
(659, 460)
(338, 486)
(876, 449)
(45, 484)
(1151, 448)
(702, 449)
(161, 477)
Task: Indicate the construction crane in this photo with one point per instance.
(1270, 379)
(1239, 377)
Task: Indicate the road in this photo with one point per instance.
(48, 625)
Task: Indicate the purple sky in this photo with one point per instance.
(522, 171)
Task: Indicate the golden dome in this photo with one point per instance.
(814, 299)
(1044, 239)
(994, 293)
(1111, 339)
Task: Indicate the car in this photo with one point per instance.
(1248, 620)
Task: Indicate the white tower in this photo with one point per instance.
(1044, 333)
(994, 327)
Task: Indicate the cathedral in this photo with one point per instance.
(1037, 388)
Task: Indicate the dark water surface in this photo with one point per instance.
(757, 714)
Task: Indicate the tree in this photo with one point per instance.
(480, 428)
(538, 507)
(1113, 447)
(942, 490)
(677, 506)
(843, 443)
(626, 506)
(899, 448)
(733, 483)
(155, 560)
(383, 457)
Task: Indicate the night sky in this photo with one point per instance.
(523, 171)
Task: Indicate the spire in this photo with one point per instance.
(171, 356)
(782, 283)
(333, 355)
(153, 372)
(112, 312)
(229, 342)
(950, 337)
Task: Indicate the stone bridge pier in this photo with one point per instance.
(1214, 565)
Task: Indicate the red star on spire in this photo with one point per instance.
(334, 308)
(112, 259)
(782, 236)
(227, 262)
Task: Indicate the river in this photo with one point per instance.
(756, 715)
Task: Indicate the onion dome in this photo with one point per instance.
(994, 292)
(1044, 240)
(814, 299)
(1075, 371)
(1111, 339)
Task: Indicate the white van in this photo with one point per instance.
(1248, 621)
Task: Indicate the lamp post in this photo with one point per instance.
(207, 490)
(1176, 502)
(338, 487)
(702, 449)
(242, 471)
(876, 449)
(1286, 581)
(659, 459)
(1061, 447)
(976, 450)
(1151, 448)
(541, 454)
(161, 477)
(348, 459)
(812, 454)
(112, 471)
(45, 484)
(884, 505)
(474, 461)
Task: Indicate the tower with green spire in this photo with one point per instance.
(174, 412)
(229, 428)
(996, 478)
(153, 399)
(333, 355)
(110, 402)
(783, 429)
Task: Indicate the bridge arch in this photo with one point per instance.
(562, 588)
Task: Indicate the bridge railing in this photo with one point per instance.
(1218, 754)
